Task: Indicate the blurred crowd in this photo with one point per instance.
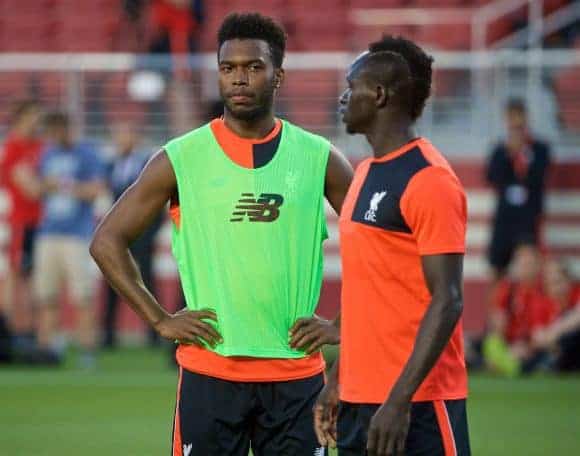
(534, 318)
(534, 303)
(53, 179)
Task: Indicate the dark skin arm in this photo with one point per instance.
(310, 334)
(130, 216)
(389, 426)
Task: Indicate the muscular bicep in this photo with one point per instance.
(339, 175)
(139, 206)
(444, 274)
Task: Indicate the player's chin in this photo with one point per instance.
(351, 129)
(244, 112)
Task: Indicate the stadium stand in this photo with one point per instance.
(308, 97)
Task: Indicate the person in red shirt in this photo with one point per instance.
(402, 380)
(519, 308)
(562, 335)
(19, 159)
(174, 24)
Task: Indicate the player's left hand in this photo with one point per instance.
(310, 334)
(388, 428)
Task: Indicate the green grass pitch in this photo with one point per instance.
(126, 408)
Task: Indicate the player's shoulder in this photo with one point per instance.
(296, 131)
(430, 174)
(189, 136)
(436, 163)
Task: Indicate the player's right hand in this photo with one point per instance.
(326, 414)
(187, 326)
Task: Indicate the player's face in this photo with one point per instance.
(357, 103)
(247, 78)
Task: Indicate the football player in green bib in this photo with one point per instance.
(247, 202)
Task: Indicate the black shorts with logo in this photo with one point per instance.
(438, 428)
(221, 417)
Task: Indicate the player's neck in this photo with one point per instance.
(387, 137)
(251, 129)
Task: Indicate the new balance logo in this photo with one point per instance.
(371, 214)
(262, 209)
(187, 449)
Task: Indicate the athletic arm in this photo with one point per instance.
(339, 175)
(443, 274)
(310, 334)
(435, 208)
(326, 409)
(128, 218)
(389, 426)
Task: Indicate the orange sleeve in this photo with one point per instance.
(435, 209)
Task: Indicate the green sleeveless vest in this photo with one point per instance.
(249, 242)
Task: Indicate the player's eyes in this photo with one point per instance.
(255, 67)
(226, 69)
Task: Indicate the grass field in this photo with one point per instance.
(126, 408)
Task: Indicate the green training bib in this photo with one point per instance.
(249, 241)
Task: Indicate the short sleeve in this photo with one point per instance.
(435, 209)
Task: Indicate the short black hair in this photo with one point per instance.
(420, 64)
(516, 104)
(254, 26)
(390, 70)
(56, 119)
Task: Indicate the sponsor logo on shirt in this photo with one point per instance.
(265, 208)
(371, 214)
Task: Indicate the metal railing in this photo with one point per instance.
(99, 90)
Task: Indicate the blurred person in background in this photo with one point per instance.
(73, 177)
(175, 26)
(127, 164)
(19, 159)
(517, 170)
(172, 28)
(562, 336)
(517, 311)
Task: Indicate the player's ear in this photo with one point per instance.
(278, 77)
(382, 96)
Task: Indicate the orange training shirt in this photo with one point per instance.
(404, 205)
